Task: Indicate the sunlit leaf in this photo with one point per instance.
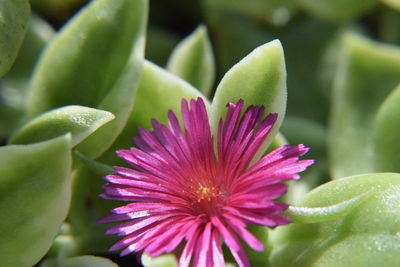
(258, 79)
(362, 230)
(92, 66)
(35, 190)
(193, 61)
(158, 92)
(168, 260)
(77, 120)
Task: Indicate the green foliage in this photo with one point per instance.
(352, 221)
(259, 79)
(14, 16)
(35, 186)
(193, 61)
(77, 120)
(89, 48)
(71, 97)
(367, 73)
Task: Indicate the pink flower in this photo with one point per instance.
(181, 192)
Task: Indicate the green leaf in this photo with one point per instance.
(93, 66)
(158, 92)
(79, 121)
(193, 60)
(35, 190)
(362, 232)
(81, 261)
(337, 10)
(14, 15)
(168, 260)
(258, 79)
(367, 73)
(386, 134)
(392, 3)
(323, 214)
(14, 85)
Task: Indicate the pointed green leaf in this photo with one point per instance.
(193, 60)
(14, 15)
(35, 190)
(94, 61)
(158, 92)
(79, 121)
(338, 10)
(258, 79)
(367, 72)
(387, 137)
(363, 232)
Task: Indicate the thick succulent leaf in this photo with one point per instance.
(14, 85)
(35, 190)
(367, 73)
(386, 136)
(392, 3)
(258, 79)
(120, 102)
(193, 60)
(77, 120)
(338, 10)
(80, 261)
(323, 214)
(14, 15)
(158, 92)
(93, 66)
(365, 235)
(168, 260)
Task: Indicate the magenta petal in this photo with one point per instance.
(186, 190)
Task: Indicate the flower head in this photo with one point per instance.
(183, 192)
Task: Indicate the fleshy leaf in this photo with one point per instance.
(158, 92)
(322, 214)
(337, 10)
(392, 3)
(386, 137)
(367, 73)
(14, 15)
(77, 120)
(193, 60)
(93, 66)
(167, 260)
(367, 235)
(35, 190)
(258, 79)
